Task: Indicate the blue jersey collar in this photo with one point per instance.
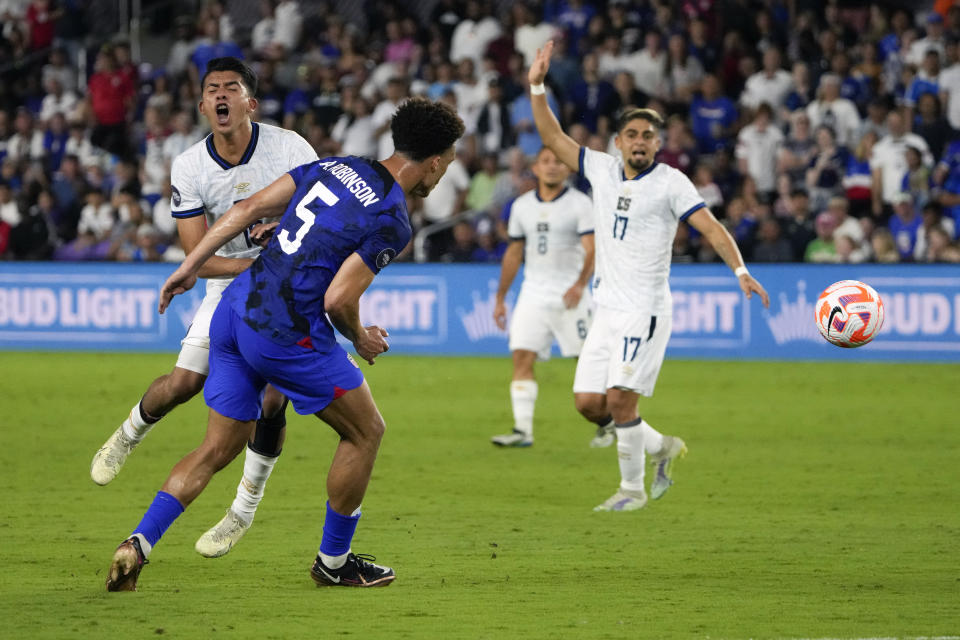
(536, 194)
(652, 166)
(247, 154)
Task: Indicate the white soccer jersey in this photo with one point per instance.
(553, 255)
(202, 182)
(635, 222)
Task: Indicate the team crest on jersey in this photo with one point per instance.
(385, 256)
(175, 196)
(242, 187)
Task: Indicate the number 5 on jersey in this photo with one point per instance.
(289, 242)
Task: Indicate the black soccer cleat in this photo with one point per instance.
(358, 571)
(128, 561)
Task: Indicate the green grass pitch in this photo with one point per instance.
(817, 500)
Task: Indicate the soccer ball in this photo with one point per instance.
(849, 313)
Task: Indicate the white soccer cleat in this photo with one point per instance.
(220, 539)
(604, 437)
(673, 449)
(515, 439)
(110, 458)
(624, 500)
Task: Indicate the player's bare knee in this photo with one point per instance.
(590, 405)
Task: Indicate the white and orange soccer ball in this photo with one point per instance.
(849, 313)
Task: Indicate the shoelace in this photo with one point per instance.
(364, 559)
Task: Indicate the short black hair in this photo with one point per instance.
(649, 115)
(238, 66)
(422, 128)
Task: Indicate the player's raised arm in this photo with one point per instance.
(566, 148)
(268, 202)
(726, 247)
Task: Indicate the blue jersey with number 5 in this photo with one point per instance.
(341, 206)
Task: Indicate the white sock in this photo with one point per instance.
(134, 427)
(145, 546)
(652, 439)
(630, 454)
(523, 396)
(333, 562)
(256, 470)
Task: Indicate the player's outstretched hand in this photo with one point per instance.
(261, 233)
(500, 315)
(572, 296)
(749, 286)
(180, 281)
(541, 64)
(371, 343)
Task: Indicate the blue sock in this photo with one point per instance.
(158, 518)
(337, 532)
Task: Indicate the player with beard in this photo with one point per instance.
(638, 204)
(239, 158)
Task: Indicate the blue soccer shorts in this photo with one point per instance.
(242, 362)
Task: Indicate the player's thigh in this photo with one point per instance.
(643, 342)
(195, 346)
(570, 327)
(594, 362)
(354, 415)
(234, 387)
(530, 328)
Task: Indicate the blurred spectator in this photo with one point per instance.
(827, 168)
(713, 116)
(857, 179)
(627, 93)
(888, 162)
(55, 138)
(444, 202)
(26, 143)
(529, 33)
(822, 249)
(355, 131)
(395, 94)
(950, 85)
(473, 34)
(834, 111)
(932, 41)
(494, 130)
(925, 82)
(876, 120)
(480, 194)
(916, 180)
(757, 148)
(57, 100)
(683, 251)
(213, 44)
(846, 225)
(707, 188)
(941, 248)
(677, 149)
(798, 150)
(591, 97)
(488, 247)
(929, 124)
(932, 215)
(41, 17)
(905, 224)
(649, 66)
(471, 95)
(9, 209)
(58, 68)
(182, 48)
(97, 220)
(463, 245)
(884, 247)
(770, 246)
(110, 103)
(770, 86)
(684, 73)
(741, 225)
(798, 227)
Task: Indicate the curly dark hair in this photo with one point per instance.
(422, 128)
(238, 66)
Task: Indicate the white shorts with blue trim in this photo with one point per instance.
(624, 350)
(534, 326)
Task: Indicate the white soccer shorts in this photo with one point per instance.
(625, 350)
(533, 327)
(195, 347)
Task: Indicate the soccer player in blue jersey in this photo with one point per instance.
(343, 220)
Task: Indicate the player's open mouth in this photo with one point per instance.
(223, 113)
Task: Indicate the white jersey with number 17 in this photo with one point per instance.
(204, 183)
(635, 222)
(553, 254)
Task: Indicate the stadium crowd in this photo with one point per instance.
(815, 130)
